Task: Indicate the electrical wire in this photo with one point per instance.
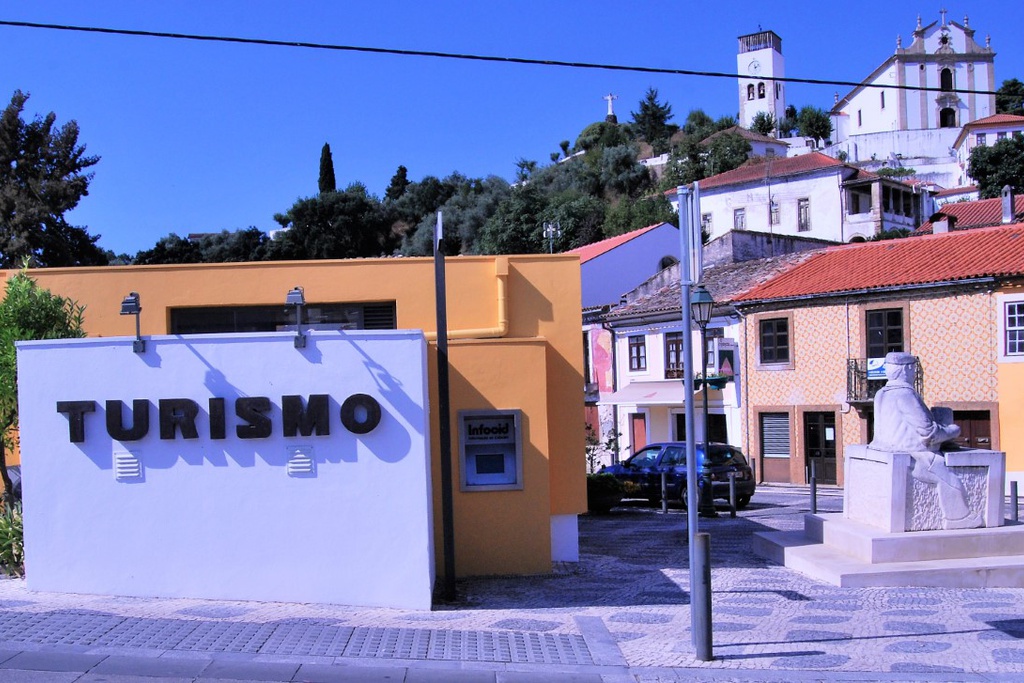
(471, 57)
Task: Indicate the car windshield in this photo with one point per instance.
(645, 458)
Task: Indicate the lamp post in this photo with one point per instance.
(296, 297)
(699, 543)
(132, 305)
(701, 303)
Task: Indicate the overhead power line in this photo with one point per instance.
(468, 57)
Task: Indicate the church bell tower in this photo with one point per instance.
(758, 62)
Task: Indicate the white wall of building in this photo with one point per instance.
(230, 518)
(820, 189)
(661, 419)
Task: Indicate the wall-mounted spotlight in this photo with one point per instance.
(132, 306)
(297, 298)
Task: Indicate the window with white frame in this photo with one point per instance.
(1013, 328)
(705, 223)
(637, 352)
(739, 219)
(673, 355)
(980, 139)
(803, 207)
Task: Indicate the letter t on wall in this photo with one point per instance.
(75, 411)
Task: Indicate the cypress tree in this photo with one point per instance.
(327, 182)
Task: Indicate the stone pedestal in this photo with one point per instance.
(891, 530)
(880, 490)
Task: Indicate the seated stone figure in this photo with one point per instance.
(903, 424)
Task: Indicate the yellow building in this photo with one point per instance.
(815, 337)
(514, 328)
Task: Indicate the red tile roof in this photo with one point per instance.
(753, 172)
(987, 252)
(997, 120)
(981, 213)
(595, 249)
(966, 189)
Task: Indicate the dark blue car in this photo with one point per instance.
(642, 471)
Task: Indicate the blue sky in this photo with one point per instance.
(198, 137)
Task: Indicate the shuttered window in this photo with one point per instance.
(775, 435)
(380, 315)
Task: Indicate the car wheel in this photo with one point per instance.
(742, 501)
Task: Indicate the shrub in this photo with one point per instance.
(12, 541)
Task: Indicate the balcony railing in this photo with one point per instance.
(861, 386)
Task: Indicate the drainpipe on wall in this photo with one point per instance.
(501, 329)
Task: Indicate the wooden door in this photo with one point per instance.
(637, 431)
(820, 446)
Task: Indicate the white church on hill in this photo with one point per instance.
(910, 110)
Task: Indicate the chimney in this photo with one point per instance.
(1007, 199)
(940, 225)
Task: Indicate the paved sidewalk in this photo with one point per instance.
(621, 615)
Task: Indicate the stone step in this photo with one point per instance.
(828, 564)
(872, 545)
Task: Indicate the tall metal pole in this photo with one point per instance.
(700, 623)
(444, 417)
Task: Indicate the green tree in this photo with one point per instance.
(621, 173)
(633, 214)
(525, 168)
(517, 225)
(327, 182)
(1010, 97)
(897, 172)
(813, 122)
(788, 125)
(998, 165)
(43, 175)
(699, 124)
(235, 246)
(347, 224)
(465, 213)
(397, 186)
(651, 121)
(170, 249)
(763, 123)
(420, 201)
(27, 312)
(725, 152)
(580, 216)
(600, 135)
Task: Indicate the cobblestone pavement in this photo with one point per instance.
(620, 614)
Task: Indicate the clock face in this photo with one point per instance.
(754, 68)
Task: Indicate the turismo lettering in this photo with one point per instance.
(360, 414)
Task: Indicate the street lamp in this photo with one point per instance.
(701, 303)
(132, 305)
(297, 298)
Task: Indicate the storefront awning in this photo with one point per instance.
(657, 393)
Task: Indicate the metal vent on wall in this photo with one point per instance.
(301, 462)
(127, 466)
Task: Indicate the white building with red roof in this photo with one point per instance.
(812, 195)
(981, 133)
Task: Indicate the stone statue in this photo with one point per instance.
(903, 424)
